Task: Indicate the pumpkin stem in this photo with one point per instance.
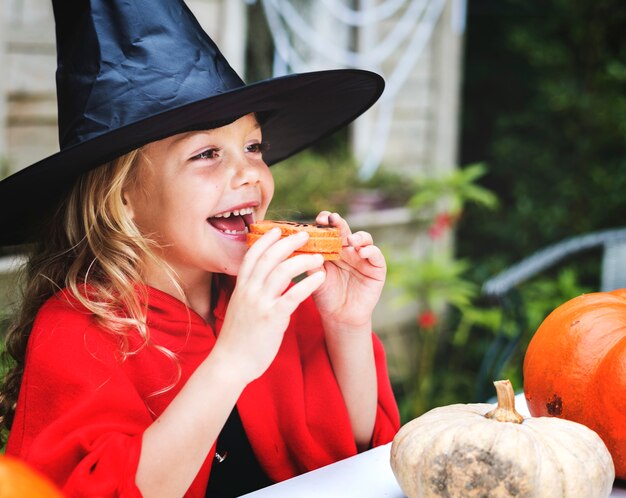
(505, 411)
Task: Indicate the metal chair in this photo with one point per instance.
(503, 289)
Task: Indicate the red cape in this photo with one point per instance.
(82, 411)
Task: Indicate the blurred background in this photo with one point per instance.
(502, 132)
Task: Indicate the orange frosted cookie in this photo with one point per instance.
(322, 240)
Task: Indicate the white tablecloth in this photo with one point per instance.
(367, 475)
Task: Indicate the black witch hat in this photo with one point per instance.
(130, 73)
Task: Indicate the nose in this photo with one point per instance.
(245, 172)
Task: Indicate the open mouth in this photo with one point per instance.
(234, 222)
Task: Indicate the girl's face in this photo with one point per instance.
(196, 192)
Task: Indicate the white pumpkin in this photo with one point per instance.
(473, 450)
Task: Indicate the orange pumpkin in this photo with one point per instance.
(18, 480)
(575, 368)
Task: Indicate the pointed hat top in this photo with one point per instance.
(121, 61)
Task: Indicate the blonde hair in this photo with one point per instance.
(93, 249)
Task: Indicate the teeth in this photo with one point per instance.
(233, 232)
(236, 212)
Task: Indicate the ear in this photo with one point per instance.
(128, 206)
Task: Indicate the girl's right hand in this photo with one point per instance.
(262, 302)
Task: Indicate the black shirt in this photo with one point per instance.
(239, 471)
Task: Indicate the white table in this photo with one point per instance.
(366, 475)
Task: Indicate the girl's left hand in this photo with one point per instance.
(353, 283)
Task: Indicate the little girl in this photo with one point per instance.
(155, 355)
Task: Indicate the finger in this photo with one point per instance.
(282, 249)
(360, 239)
(322, 218)
(256, 251)
(291, 299)
(279, 280)
(373, 255)
(271, 253)
(335, 220)
(330, 219)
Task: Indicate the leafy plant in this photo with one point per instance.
(438, 284)
(549, 122)
(455, 328)
(454, 190)
(395, 189)
(327, 179)
(539, 297)
(311, 182)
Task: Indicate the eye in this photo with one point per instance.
(207, 154)
(258, 147)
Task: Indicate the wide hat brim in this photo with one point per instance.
(296, 111)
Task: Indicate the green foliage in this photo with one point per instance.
(455, 326)
(539, 297)
(448, 354)
(435, 281)
(311, 182)
(453, 190)
(445, 297)
(394, 188)
(437, 284)
(542, 295)
(545, 108)
(326, 178)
